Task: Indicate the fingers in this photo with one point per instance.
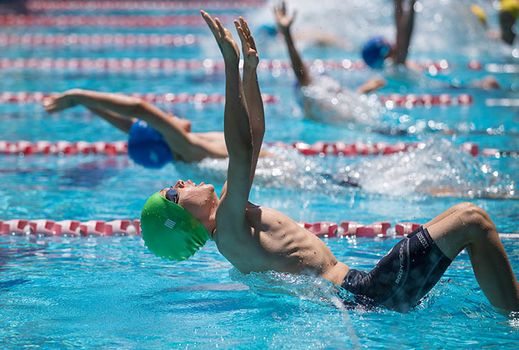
(242, 36)
(209, 21)
(221, 29)
(245, 26)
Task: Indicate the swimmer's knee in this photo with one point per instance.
(461, 206)
(477, 222)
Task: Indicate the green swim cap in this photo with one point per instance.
(169, 230)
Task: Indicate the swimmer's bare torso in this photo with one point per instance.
(272, 241)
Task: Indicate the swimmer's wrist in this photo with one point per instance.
(74, 93)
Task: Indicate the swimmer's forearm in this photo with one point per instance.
(237, 131)
(298, 66)
(130, 108)
(125, 106)
(256, 111)
(404, 30)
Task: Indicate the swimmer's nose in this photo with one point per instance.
(180, 184)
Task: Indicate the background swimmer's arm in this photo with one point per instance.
(230, 216)
(252, 91)
(371, 85)
(60, 102)
(284, 22)
(130, 108)
(121, 123)
(404, 21)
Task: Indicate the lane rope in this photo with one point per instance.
(127, 63)
(123, 40)
(135, 21)
(390, 101)
(322, 229)
(131, 5)
(24, 97)
(340, 149)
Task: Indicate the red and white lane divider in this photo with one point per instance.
(69, 227)
(127, 63)
(121, 40)
(75, 228)
(42, 5)
(391, 101)
(38, 97)
(427, 100)
(132, 227)
(65, 148)
(137, 21)
(146, 40)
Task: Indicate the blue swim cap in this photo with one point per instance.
(268, 29)
(147, 147)
(375, 51)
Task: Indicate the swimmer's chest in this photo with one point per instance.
(274, 242)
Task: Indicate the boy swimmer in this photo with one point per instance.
(156, 138)
(255, 238)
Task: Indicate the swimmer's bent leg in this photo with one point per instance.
(469, 227)
(402, 277)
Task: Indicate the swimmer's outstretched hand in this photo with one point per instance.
(283, 20)
(58, 102)
(248, 46)
(228, 47)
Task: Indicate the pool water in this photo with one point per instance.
(110, 292)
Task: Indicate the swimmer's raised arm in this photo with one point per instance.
(284, 23)
(404, 20)
(230, 216)
(251, 89)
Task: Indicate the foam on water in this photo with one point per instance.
(284, 169)
(439, 168)
(326, 101)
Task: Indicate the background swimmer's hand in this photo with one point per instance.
(283, 21)
(59, 102)
(223, 36)
(371, 85)
(250, 53)
(487, 83)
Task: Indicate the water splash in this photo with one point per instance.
(361, 20)
(272, 283)
(286, 168)
(438, 168)
(326, 101)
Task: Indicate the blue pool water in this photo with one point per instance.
(112, 293)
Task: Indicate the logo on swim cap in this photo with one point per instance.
(374, 51)
(169, 230)
(147, 147)
(169, 223)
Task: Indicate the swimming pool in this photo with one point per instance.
(110, 292)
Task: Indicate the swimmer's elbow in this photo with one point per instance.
(139, 107)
